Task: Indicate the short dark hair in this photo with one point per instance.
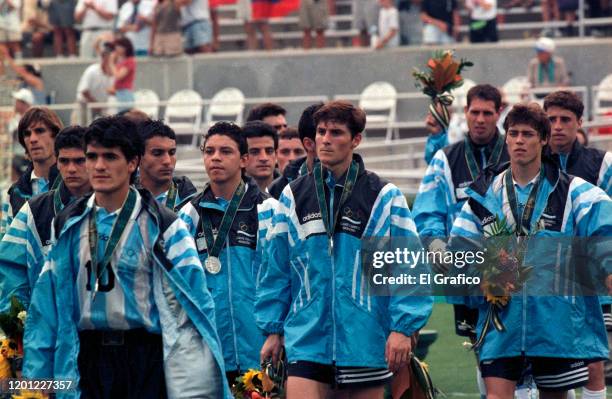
(261, 111)
(149, 128)
(289, 134)
(126, 44)
(485, 92)
(565, 99)
(260, 129)
(306, 125)
(230, 130)
(529, 114)
(135, 115)
(70, 137)
(38, 114)
(341, 111)
(115, 131)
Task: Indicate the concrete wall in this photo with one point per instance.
(334, 71)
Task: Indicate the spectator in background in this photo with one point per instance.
(251, 24)
(195, 22)
(96, 18)
(94, 84)
(568, 9)
(28, 75)
(483, 20)
(166, 39)
(546, 69)
(314, 15)
(441, 21)
(550, 13)
(272, 114)
(61, 17)
(10, 26)
(411, 26)
(23, 102)
(134, 21)
(388, 25)
(36, 25)
(290, 147)
(365, 20)
(123, 70)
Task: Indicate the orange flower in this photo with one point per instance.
(431, 63)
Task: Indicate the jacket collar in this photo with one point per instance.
(208, 200)
(24, 184)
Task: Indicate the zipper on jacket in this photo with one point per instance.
(524, 326)
(231, 303)
(333, 256)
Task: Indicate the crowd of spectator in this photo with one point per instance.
(173, 27)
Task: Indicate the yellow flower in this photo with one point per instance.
(247, 380)
(29, 395)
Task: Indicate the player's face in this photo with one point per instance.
(262, 157)
(222, 159)
(563, 127)
(288, 150)
(524, 144)
(108, 169)
(278, 122)
(334, 143)
(71, 165)
(159, 159)
(39, 142)
(481, 118)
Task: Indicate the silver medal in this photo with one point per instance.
(213, 265)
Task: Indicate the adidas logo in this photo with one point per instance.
(310, 216)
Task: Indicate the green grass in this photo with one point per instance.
(452, 367)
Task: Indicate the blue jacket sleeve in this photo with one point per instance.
(605, 174)
(41, 327)
(434, 143)
(408, 311)
(14, 260)
(431, 205)
(273, 289)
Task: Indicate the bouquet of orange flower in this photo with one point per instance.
(443, 76)
(269, 382)
(11, 339)
(502, 272)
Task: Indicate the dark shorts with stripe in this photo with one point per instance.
(549, 373)
(465, 321)
(340, 377)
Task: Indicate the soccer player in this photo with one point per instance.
(290, 148)
(230, 219)
(311, 291)
(158, 163)
(303, 165)
(121, 306)
(28, 239)
(535, 198)
(36, 131)
(564, 110)
(262, 141)
(272, 114)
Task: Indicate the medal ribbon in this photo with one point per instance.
(524, 222)
(171, 198)
(116, 232)
(470, 159)
(214, 245)
(349, 184)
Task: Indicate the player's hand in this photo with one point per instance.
(397, 350)
(271, 348)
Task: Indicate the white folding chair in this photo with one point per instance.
(227, 104)
(516, 90)
(376, 98)
(184, 113)
(147, 101)
(602, 98)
